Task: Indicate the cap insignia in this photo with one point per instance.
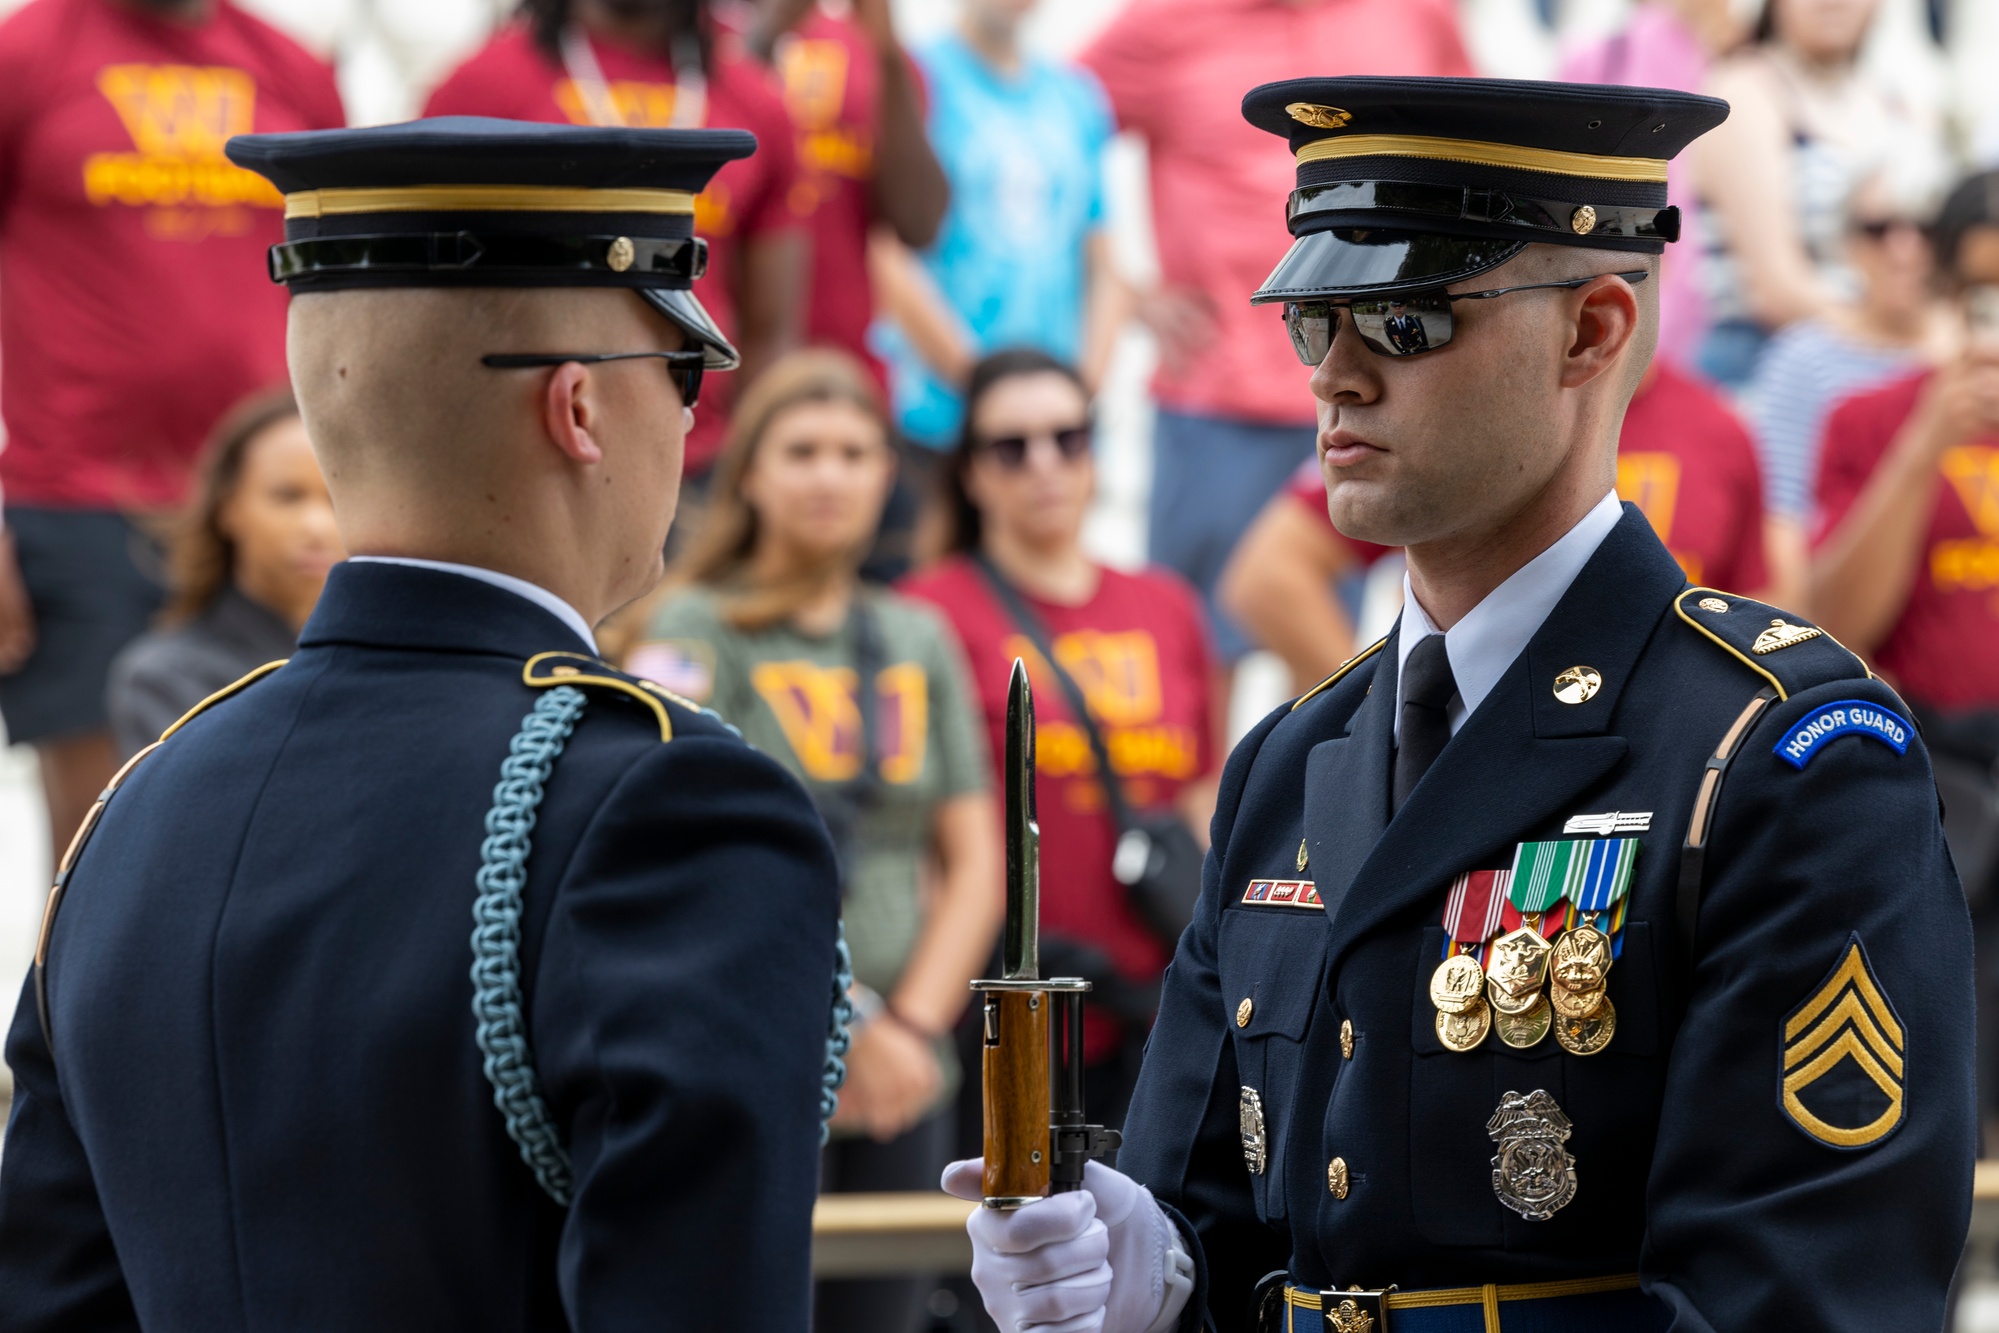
(1318, 117)
(621, 254)
(1583, 221)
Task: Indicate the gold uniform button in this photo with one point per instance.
(1346, 1039)
(1337, 1179)
(1243, 1011)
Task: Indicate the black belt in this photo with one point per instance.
(1579, 1305)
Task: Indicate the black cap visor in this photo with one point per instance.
(691, 319)
(1377, 261)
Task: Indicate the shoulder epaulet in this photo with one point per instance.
(1339, 675)
(1789, 654)
(235, 687)
(545, 670)
(89, 826)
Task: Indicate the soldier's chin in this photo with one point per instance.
(1367, 511)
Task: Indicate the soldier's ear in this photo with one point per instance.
(1605, 323)
(570, 413)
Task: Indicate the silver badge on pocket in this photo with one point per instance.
(1534, 1174)
(1254, 1144)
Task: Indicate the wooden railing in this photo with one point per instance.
(877, 1235)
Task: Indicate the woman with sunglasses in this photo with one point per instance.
(1016, 491)
(1897, 323)
(765, 619)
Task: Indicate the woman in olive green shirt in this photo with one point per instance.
(766, 621)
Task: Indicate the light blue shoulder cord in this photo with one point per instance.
(496, 940)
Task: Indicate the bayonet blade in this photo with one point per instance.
(1021, 954)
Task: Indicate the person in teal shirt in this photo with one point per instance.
(1023, 257)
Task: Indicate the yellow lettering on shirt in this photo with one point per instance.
(1652, 482)
(816, 708)
(178, 117)
(1970, 564)
(1118, 673)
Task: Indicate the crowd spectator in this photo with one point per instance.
(1906, 552)
(135, 309)
(1906, 563)
(1683, 458)
(1024, 257)
(869, 174)
(863, 695)
(658, 64)
(1015, 493)
(1668, 44)
(1234, 413)
(1806, 124)
(247, 564)
(853, 93)
(1812, 364)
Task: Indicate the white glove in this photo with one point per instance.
(1102, 1259)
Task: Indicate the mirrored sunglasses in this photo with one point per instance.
(1401, 325)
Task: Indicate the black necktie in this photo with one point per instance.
(1427, 690)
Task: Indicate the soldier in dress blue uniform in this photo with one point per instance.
(442, 976)
(1585, 955)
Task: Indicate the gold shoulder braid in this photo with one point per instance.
(89, 825)
(546, 670)
(1339, 675)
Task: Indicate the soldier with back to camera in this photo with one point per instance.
(443, 976)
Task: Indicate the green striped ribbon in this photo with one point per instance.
(1592, 873)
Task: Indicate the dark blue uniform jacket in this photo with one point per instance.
(1691, 1169)
(265, 1109)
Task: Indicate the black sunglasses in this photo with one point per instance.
(1404, 325)
(685, 367)
(1010, 451)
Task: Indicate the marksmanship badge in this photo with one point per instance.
(1534, 1174)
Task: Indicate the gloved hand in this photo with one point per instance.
(1102, 1259)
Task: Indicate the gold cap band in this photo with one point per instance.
(484, 199)
(1647, 169)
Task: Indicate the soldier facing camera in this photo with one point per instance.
(1585, 954)
(443, 976)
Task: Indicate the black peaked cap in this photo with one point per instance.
(468, 201)
(1407, 183)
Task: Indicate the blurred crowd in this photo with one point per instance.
(887, 504)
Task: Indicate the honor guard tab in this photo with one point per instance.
(466, 201)
(1415, 183)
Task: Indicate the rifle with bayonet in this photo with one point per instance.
(1035, 1144)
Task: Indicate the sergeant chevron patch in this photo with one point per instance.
(1843, 1075)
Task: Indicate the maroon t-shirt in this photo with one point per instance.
(1139, 651)
(1943, 650)
(514, 78)
(136, 306)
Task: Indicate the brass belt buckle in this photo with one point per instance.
(1355, 1311)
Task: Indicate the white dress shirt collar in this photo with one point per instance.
(534, 592)
(1483, 644)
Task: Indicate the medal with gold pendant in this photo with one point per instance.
(1472, 909)
(1598, 880)
(1465, 1031)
